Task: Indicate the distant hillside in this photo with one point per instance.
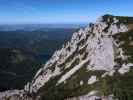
(16, 68)
(22, 53)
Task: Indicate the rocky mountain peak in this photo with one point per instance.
(92, 46)
(93, 53)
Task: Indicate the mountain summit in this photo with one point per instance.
(97, 63)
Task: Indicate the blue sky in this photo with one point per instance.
(61, 11)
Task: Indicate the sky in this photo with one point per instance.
(61, 11)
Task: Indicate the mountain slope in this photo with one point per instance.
(85, 66)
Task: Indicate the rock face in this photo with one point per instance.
(95, 42)
(14, 95)
(96, 48)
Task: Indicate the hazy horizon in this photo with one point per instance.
(60, 11)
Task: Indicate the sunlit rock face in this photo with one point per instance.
(96, 43)
(95, 48)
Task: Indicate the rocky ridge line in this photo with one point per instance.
(92, 46)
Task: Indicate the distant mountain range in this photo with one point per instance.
(33, 27)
